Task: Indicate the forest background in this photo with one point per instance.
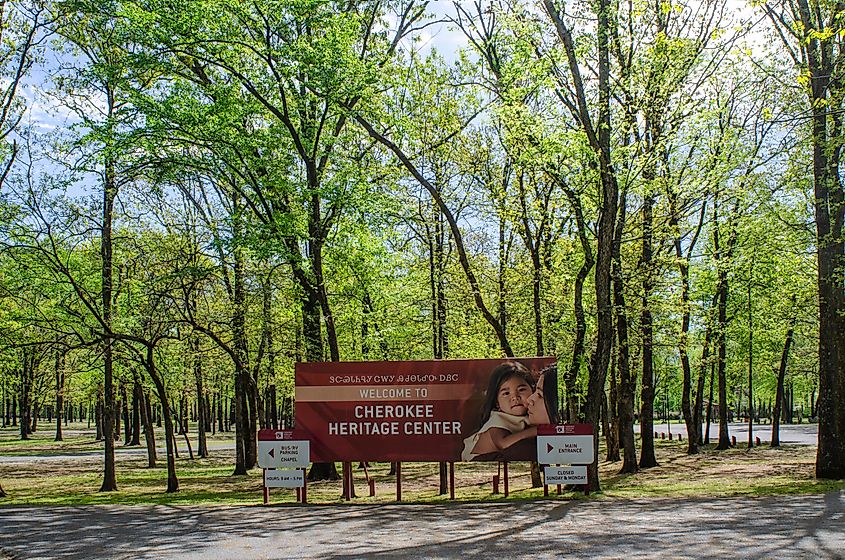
(196, 196)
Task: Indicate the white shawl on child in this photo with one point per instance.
(497, 419)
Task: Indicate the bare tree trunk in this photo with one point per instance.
(627, 383)
(699, 401)
(239, 342)
(314, 353)
(98, 414)
(137, 399)
(127, 424)
(692, 413)
(611, 429)
(579, 352)
(784, 360)
(202, 443)
(149, 433)
(109, 194)
(750, 362)
(169, 435)
(721, 333)
(647, 458)
(60, 393)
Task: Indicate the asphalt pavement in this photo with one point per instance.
(789, 434)
(789, 527)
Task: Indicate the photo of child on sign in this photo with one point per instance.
(515, 403)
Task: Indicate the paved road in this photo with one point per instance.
(98, 452)
(791, 434)
(788, 527)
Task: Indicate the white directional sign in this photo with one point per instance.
(284, 454)
(568, 450)
(566, 475)
(276, 478)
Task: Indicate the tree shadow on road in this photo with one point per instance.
(777, 526)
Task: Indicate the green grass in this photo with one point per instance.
(75, 480)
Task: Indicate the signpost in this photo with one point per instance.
(284, 461)
(565, 444)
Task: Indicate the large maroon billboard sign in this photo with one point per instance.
(436, 410)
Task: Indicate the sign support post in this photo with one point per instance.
(347, 480)
(398, 481)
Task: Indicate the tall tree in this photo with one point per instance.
(811, 32)
(21, 38)
(97, 41)
(595, 121)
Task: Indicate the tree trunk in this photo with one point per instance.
(699, 400)
(692, 413)
(271, 416)
(830, 251)
(137, 400)
(647, 458)
(25, 406)
(169, 435)
(109, 194)
(239, 341)
(611, 429)
(314, 352)
(721, 255)
(60, 393)
(127, 424)
(98, 414)
(533, 242)
(784, 360)
(501, 271)
(627, 383)
(750, 362)
(435, 240)
(721, 334)
(579, 352)
(202, 443)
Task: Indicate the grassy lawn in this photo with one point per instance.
(41, 471)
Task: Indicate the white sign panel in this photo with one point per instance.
(284, 454)
(274, 478)
(566, 475)
(568, 450)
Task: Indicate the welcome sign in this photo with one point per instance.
(416, 410)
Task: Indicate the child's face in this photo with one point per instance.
(512, 395)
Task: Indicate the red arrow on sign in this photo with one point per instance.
(549, 447)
